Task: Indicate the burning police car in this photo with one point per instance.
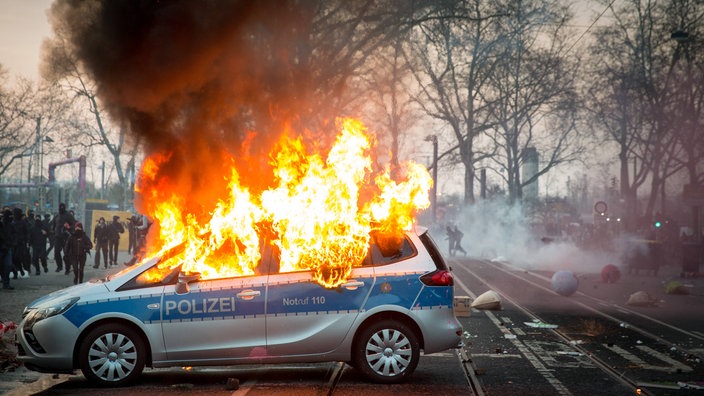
(394, 304)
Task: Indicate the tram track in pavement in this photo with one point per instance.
(621, 321)
(575, 344)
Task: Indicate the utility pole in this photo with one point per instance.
(434, 192)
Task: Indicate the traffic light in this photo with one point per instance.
(658, 220)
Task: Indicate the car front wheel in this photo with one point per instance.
(387, 352)
(112, 355)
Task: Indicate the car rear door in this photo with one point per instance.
(304, 317)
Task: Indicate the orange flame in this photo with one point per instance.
(317, 215)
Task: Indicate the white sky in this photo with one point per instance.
(23, 27)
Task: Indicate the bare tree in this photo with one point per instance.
(451, 55)
(16, 131)
(533, 91)
(87, 125)
(684, 88)
(646, 96)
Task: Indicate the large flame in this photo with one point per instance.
(319, 214)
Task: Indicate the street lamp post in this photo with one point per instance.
(434, 192)
(42, 191)
(102, 180)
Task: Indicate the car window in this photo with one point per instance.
(385, 250)
(153, 276)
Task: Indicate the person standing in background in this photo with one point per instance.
(20, 255)
(5, 254)
(78, 245)
(100, 239)
(114, 230)
(132, 234)
(38, 236)
(57, 224)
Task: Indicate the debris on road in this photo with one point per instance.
(537, 324)
(641, 299)
(489, 300)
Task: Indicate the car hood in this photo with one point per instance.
(80, 290)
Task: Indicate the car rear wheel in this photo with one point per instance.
(386, 352)
(112, 355)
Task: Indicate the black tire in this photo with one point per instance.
(386, 352)
(112, 355)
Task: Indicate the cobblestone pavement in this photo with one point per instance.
(13, 376)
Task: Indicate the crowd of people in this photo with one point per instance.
(27, 240)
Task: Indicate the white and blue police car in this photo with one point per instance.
(395, 304)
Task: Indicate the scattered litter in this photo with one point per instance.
(673, 349)
(639, 342)
(537, 324)
(569, 353)
(691, 384)
(624, 325)
(659, 385)
(641, 299)
(184, 386)
(232, 384)
(675, 287)
(5, 327)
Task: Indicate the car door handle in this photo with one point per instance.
(249, 294)
(353, 285)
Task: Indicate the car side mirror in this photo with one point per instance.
(184, 278)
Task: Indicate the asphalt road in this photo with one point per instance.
(599, 343)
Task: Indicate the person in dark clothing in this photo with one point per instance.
(38, 236)
(114, 230)
(100, 239)
(458, 240)
(47, 223)
(132, 234)
(78, 245)
(20, 255)
(67, 232)
(6, 244)
(57, 224)
(450, 240)
(454, 237)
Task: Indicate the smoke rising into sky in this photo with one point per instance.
(201, 82)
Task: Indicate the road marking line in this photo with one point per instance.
(643, 364)
(674, 363)
(525, 351)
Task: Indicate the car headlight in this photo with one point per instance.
(37, 314)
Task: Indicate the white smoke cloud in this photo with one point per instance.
(494, 230)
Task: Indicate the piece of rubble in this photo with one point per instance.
(641, 299)
(489, 300)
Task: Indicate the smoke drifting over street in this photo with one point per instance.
(496, 231)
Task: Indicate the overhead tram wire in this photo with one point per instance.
(590, 26)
